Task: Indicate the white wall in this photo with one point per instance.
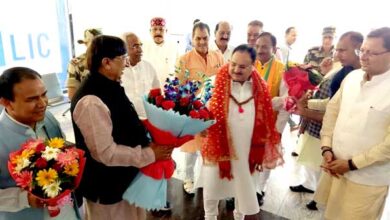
(117, 16)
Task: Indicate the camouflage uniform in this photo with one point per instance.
(77, 71)
(315, 56)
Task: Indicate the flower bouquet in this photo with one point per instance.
(299, 80)
(48, 170)
(173, 119)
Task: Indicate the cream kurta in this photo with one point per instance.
(242, 186)
(357, 126)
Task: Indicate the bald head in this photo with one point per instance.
(134, 47)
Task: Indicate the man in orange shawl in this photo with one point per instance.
(243, 139)
(271, 70)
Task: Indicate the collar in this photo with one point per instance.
(18, 126)
(196, 52)
(377, 79)
(266, 63)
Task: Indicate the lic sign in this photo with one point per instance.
(40, 39)
(28, 47)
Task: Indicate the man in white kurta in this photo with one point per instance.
(160, 52)
(140, 76)
(355, 137)
(230, 158)
(222, 37)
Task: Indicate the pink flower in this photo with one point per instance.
(24, 180)
(66, 200)
(290, 104)
(32, 144)
(68, 157)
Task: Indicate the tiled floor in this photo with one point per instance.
(279, 200)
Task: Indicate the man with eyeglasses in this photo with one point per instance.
(355, 137)
(221, 43)
(255, 28)
(160, 52)
(138, 77)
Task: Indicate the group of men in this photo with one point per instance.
(350, 131)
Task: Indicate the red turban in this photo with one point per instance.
(157, 21)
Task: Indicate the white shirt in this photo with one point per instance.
(285, 53)
(137, 81)
(227, 55)
(162, 56)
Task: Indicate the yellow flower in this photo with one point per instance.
(46, 177)
(27, 153)
(72, 169)
(56, 142)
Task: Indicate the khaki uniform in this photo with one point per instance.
(315, 56)
(77, 71)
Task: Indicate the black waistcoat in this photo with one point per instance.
(101, 183)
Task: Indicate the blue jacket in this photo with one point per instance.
(12, 135)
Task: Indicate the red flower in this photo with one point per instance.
(168, 104)
(197, 104)
(194, 114)
(184, 101)
(204, 114)
(57, 167)
(159, 99)
(41, 163)
(154, 92)
(40, 147)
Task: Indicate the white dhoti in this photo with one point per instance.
(242, 186)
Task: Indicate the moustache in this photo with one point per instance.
(158, 36)
(226, 39)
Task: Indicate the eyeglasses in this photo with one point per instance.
(369, 53)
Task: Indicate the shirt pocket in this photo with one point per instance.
(376, 121)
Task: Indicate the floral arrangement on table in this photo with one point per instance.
(174, 117)
(299, 79)
(48, 170)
